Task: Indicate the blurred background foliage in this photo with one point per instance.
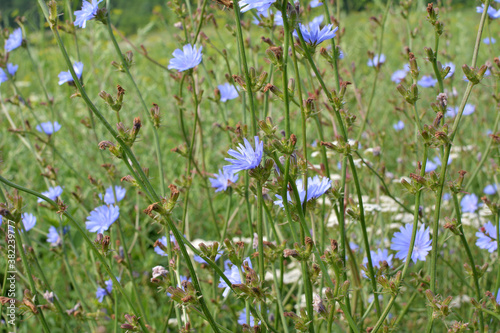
(130, 15)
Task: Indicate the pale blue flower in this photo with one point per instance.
(48, 127)
(427, 81)
(227, 92)
(316, 187)
(377, 259)
(376, 61)
(53, 236)
(1, 220)
(398, 75)
(101, 292)
(492, 12)
(233, 275)
(163, 241)
(399, 126)
(29, 221)
(452, 111)
(187, 58)
(490, 189)
(401, 243)
(278, 17)
(242, 318)
(447, 197)
(487, 237)
(52, 193)
(14, 41)
(223, 179)
(432, 165)
(12, 69)
(260, 5)
(200, 260)
(469, 203)
(102, 218)
(109, 196)
(3, 76)
(498, 296)
(452, 69)
(87, 13)
(313, 34)
(66, 76)
(315, 3)
(489, 41)
(246, 158)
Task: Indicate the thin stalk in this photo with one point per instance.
(286, 100)
(260, 235)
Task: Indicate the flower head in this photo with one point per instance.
(492, 12)
(233, 275)
(187, 58)
(278, 17)
(53, 236)
(378, 258)
(3, 76)
(377, 60)
(432, 165)
(246, 158)
(315, 3)
(469, 203)
(490, 189)
(29, 221)
(102, 218)
(66, 76)
(399, 126)
(401, 243)
(52, 193)
(453, 111)
(159, 271)
(427, 81)
(398, 75)
(88, 12)
(227, 92)
(489, 41)
(48, 127)
(487, 237)
(242, 318)
(109, 196)
(223, 179)
(14, 41)
(101, 292)
(163, 241)
(313, 34)
(316, 187)
(12, 69)
(260, 5)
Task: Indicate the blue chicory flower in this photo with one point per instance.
(200, 260)
(313, 34)
(260, 5)
(102, 218)
(399, 126)
(227, 92)
(490, 189)
(376, 61)
(14, 41)
(452, 69)
(398, 75)
(53, 236)
(492, 12)
(469, 203)
(432, 165)
(242, 318)
(87, 13)
(489, 41)
(109, 196)
(452, 111)
(3, 76)
(316, 187)
(29, 221)
(66, 76)
(102, 292)
(315, 3)
(378, 258)
(52, 193)
(12, 69)
(487, 237)
(233, 275)
(48, 127)
(187, 58)
(163, 241)
(278, 17)
(427, 81)
(401, 243)
(223, 179)
(246, 158)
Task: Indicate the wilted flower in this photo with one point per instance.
(102, 218)
(159, 271)
(223, 179)
(14, 41)
(487, 237)
(246, 158)
(377, 60)
(29, 221)
(427, 81)
(399, 125)
(187, 58)
(101, 292)
(48, 127)
(401, 243)
(260, 5)
(52, 193)
(227, 92)
(469, 203)
(88, 12)
(109, 196)
(66, 76)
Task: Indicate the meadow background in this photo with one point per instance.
(74, 153)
